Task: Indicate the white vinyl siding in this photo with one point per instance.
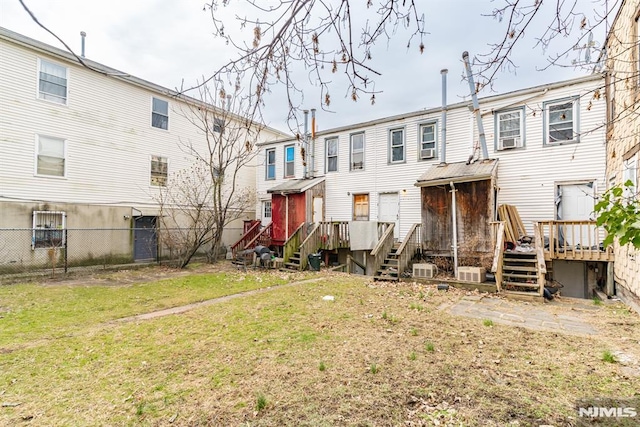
(52, 82)
(160, 114)
(561, 120)
(331, 158)
(428, 140)
(289, 161)
(357, 151)
(396, 146)
(50, 156)
(509, 129)
(159, 171)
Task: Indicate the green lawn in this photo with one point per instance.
(377, 355)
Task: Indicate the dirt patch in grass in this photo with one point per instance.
(379, 354)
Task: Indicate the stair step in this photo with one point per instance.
(295, 259)
(387, 278)
(518, 268)
(292, 265)
(508, 259)
(519, 276)
(520, 284)
(387, 272)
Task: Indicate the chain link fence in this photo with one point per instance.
(57, 251)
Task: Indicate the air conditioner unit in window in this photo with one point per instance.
(471, 274)
(428, 153)
(510, 142)
(425, 271)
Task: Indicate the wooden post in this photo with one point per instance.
(610, 285)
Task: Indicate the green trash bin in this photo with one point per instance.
(314, 262)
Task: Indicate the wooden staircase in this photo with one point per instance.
(389, 268)
(520, 272)
(294, 262)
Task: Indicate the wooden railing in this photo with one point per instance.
(293, 243)
(410, 245)
(574, 240)
(383, 247)
(310, 245)
(334, 235)
(247, 237)
(262, 238)
(497, 238)
(351, 261)
(541, 264)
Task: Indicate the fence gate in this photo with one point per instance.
(145, 239)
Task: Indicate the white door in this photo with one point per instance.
(388, 210)
(318, 203)
(576, 204)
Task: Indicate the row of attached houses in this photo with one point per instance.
(90, 147)
(545, 156)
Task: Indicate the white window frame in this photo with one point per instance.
(290, 163)
(630, 173)
(37, 154)
(267, 164)
(267, 209)
(519, 139)
(153, 98)
(402, 145)
(152, 159)
(574, 121)
(49, 97)
(38, 227)
(218, 125)
(421, 143)
(352, 151)
(327, 157)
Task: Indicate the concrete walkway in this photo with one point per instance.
(553, 317)
(183, 308)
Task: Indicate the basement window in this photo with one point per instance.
(48, 229)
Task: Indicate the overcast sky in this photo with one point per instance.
(168, 41)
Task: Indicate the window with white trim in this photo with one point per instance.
(266, 209)
(52, 82)
(509, 129)
(630, 174)
(271, 163)
(48, 229)
(159, 171)
(396, 145)
(289, 161)
(50, 156)
(428, 141)
(160, 114)
(218, 125)
(561, 121)
(331, 149)
(357, 151)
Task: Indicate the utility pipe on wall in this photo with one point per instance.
(305, 144)
(443, 149)
(312, 155)
(455, 228)
(476, 106)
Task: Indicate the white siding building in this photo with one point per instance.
(87, 147)
(547, 142)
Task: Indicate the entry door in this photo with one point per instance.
(318, 204)
(388, 210)
(576, 204)
(145, 239)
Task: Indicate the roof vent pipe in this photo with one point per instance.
(476, 106)
(313, 143)
(83, 35)
(443, 150)
(305, 145)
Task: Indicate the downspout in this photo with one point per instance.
(313, 143)
(476, 106)
(305, 144)
(443, 149)
(455, 228)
